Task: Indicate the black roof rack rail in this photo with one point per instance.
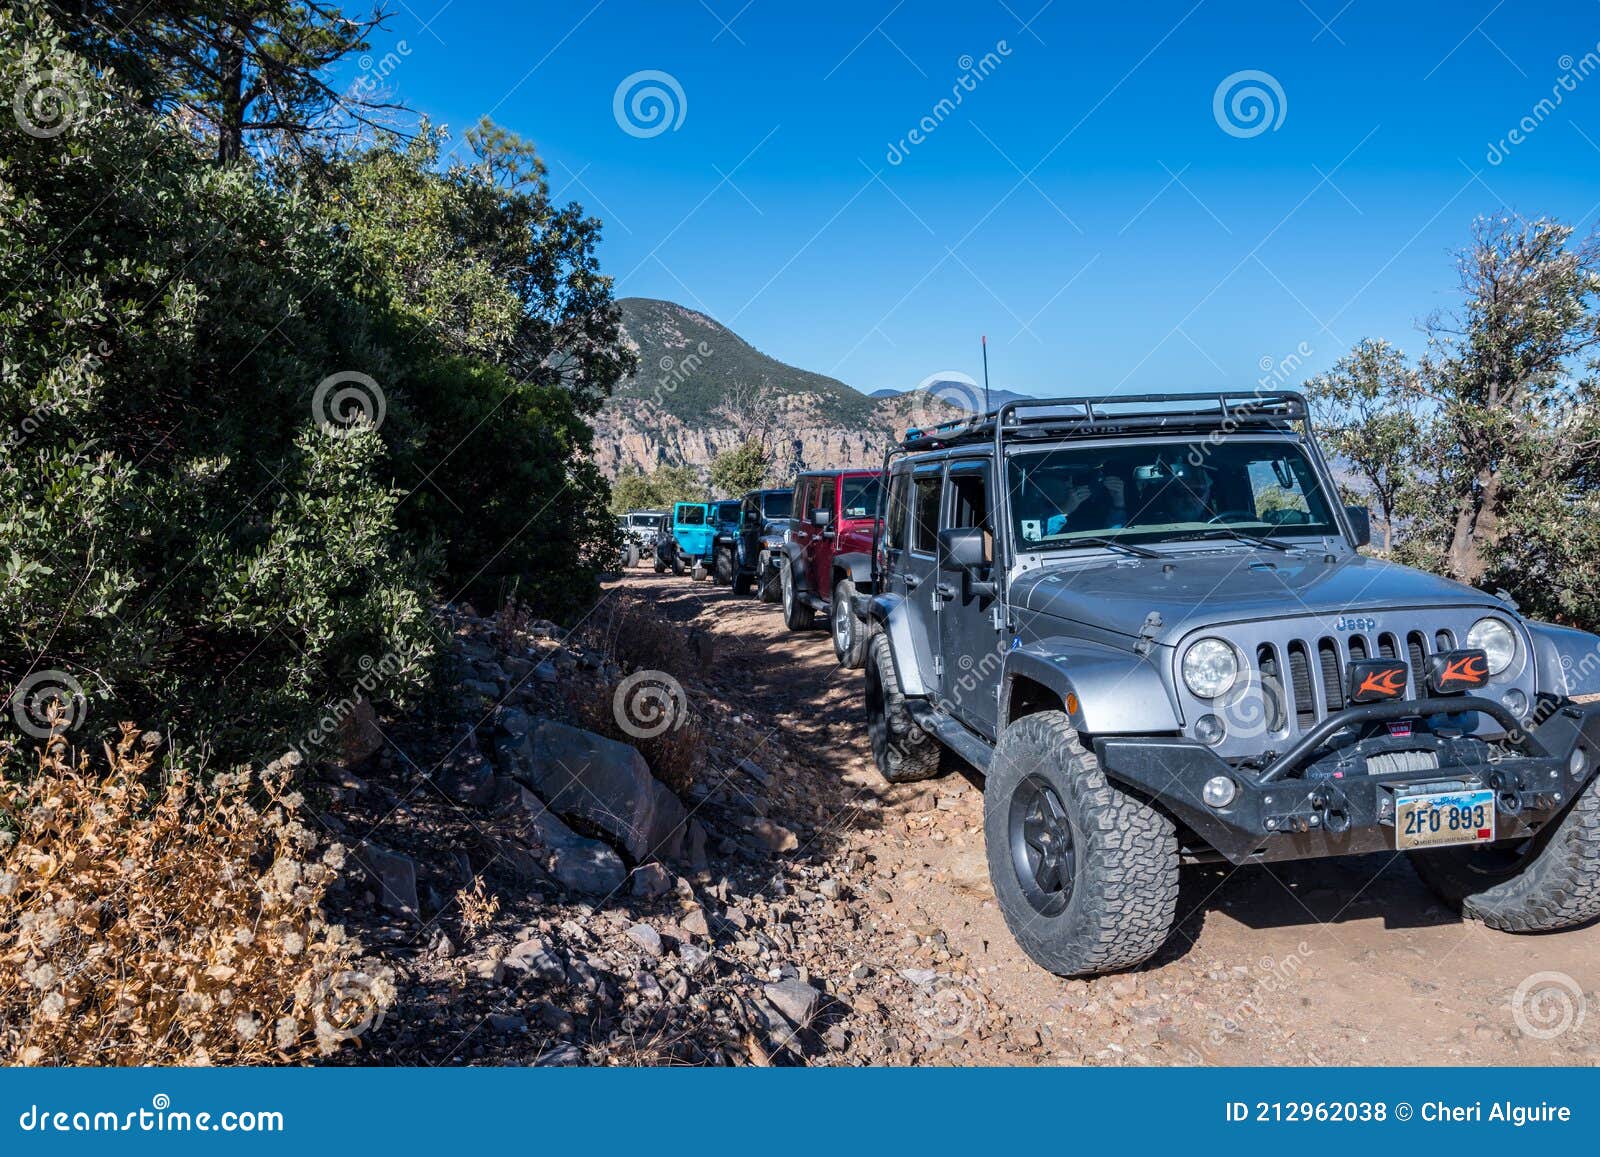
(1094, 414)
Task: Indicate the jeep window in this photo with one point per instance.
(1166, 492)
(777, 505)
(968, 502)
(899, 508)
(860, 498)
(692, 515)
(727, 512)
(925, 529)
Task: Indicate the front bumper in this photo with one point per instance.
(1318, 799)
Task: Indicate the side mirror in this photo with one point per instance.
(821, 517)
(961, 549)
(1361, 523)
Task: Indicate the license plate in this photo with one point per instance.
(1442, 818)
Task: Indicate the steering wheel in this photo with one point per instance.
(1233, 515)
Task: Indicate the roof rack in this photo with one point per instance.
(1039, 417)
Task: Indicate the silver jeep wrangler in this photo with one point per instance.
(1147, 621)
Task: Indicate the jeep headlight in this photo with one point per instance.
(1210, 667)
(1496, 640)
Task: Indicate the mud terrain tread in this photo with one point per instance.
(1125, 893)
(798, 615)
(855, 656)
(902, 751)
(1559, 888)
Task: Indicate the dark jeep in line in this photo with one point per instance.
(1147, 620)
(747, 549)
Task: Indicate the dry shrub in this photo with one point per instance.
(158, 923)
(675, 755)
(632, 634)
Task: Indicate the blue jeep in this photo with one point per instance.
(747, 551)
(693, 531)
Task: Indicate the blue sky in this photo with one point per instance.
(1083, 205)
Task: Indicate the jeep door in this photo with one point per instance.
(913, 537)
(802, 533)
(969, 642)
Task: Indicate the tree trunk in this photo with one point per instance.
(1477, 525)
(230, 119)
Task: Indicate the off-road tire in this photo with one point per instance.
(1554, 884)
(797, 615)
(723, 568)
(771, 581)
(1123, 887)
(677, 564)
(743, 583)
(661, 565)
(631, 558)
(901, 749)
(850, 634)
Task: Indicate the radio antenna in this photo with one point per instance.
(985, 339)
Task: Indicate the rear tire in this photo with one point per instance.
(723, 568)
(1550, 883)
(850, 634)
(677, 564)
(660, 566)
(901, 749)
(1086, 876)
(743, 583)
(631, 559)
(797, 615)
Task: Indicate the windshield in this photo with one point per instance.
(1167, 492)
(777, 504)
(860, 497)
(691, 515)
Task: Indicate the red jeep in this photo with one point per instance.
(828, 556)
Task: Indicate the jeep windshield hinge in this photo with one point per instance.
(1148, 632)
(938, 665)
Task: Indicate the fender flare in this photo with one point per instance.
(1119, 692)
(856, 566)
(889, 615)
(1566, 660)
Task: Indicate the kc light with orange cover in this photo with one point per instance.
(1372, 680)
(1457, 672)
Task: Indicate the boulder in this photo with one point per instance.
(577, 862)
(646, 937)
(394, 879)
(796, 1000)
(651, 881)
(607, 784)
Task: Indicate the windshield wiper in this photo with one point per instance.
(1113, 544)
(1239, 536)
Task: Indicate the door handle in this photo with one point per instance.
(945, 591)
(913, 582)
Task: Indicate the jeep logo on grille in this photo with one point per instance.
(1355, 623)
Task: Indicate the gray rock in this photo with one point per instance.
(754, 771)
(607, 784)
(561, 1055)
(577, 862)
(506, 1023)
(919, 976)
(511, 755)
(512, 720)
(481, 688)
(394, 878)
(557, 1020)
(535, 957)
(651, 881)
(695, 923)
(693, 959)
(774, 837)
(646, 937)
(796, 1000)
(545, 672)
(470, 781)
(695, 847)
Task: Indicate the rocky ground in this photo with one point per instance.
(788, 907)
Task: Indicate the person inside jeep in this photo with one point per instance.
(1175, 492)
(1080, 499)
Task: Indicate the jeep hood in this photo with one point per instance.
(1230, 585)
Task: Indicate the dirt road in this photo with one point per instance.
(1333, 962)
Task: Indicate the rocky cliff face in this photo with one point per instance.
(632, 435)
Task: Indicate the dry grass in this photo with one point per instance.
(158, 923)
(632, 634)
